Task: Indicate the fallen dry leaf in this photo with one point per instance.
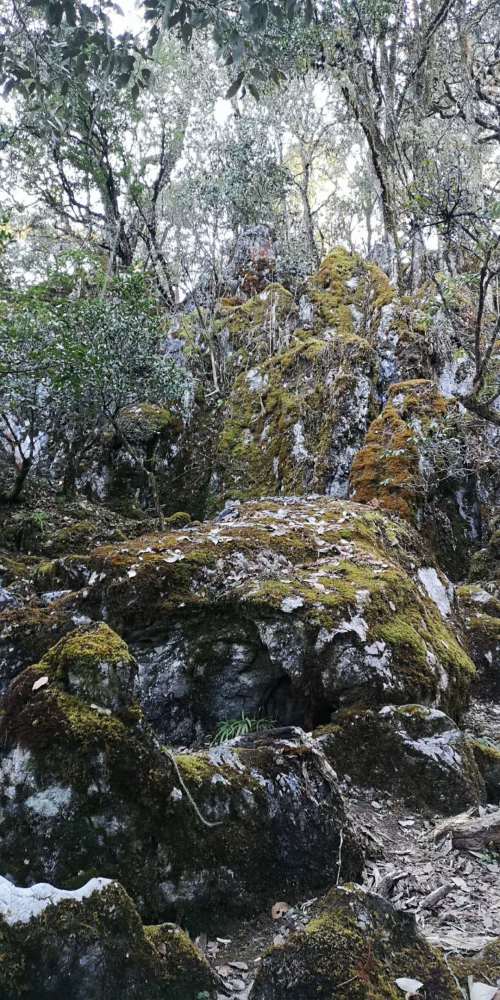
(40, 683)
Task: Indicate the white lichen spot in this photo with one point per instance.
(49, 802)
(299, 450)
(256, 381)
(290, 604)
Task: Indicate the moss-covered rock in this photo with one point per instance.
(94, 664)
(299, 408)
(27, 632)
(90, 944)
(480, 607)
(286, 608)
(293, 423)
(145, 421)
(50, 526)
(85, 790)
(348, 293)
(354, 950)
(414, 463)
(411, 751)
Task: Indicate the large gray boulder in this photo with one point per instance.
(85, 787)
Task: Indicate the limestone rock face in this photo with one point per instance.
(89, 944)
(86, 788)
(298, 410)
(357, 947)
(294, 423)
(286, 608)
(414, 462)
(410, 751)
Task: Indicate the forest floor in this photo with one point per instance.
(406, 863)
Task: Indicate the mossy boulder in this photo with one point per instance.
(414, 463)
(94, 664)
(146, 421)
(410, 751)
(254, 330)
(90, 944)
(289, 609)
(479, 605)
(348, 294)
(356, 948)
(27, 632)
(300, 406)
(88, 790)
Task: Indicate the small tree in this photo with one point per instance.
(77, 364)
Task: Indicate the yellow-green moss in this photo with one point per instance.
(86, 648)
(146, 420)
(332, 298)
(194, 768)
(385, 470)
(257, 446)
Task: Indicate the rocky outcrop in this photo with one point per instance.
(90, 944)
(289, 608)
(358, 947)
(294, 423)
(298, 410)
(409, 751)
(87, 788)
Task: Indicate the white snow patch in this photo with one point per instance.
(18, 906)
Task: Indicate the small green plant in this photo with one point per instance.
(39, 519)
(231, 728)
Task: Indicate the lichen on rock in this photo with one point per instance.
(414, 463)
(411, 751)
(86, 790)
(309, 604)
